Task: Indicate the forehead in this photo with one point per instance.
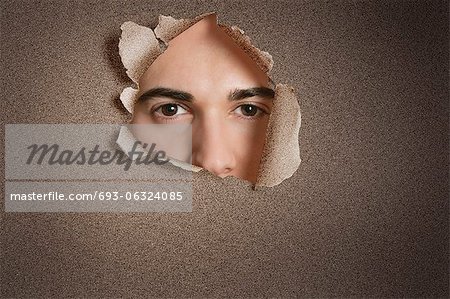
(203, 58)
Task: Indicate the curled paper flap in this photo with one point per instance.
(168, 27)
(281, 156)
(138, 48)
(128, 98)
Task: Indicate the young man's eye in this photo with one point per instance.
(170, 110)
(248, 110)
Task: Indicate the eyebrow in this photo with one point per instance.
(240, 94)
(235, 95)
(166, 93)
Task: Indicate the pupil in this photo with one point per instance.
(248, 110)
(169, 109)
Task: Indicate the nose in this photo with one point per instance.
(211, 147)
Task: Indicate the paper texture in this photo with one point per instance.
(281, 156)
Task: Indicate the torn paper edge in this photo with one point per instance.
(281, 155)
(139, 46)
(168, 27)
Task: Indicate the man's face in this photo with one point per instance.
(205, 79)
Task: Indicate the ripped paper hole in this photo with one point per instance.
(139, 47)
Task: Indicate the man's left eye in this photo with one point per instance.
(248, 110)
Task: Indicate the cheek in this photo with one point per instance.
(248, 142)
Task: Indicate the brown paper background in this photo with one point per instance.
(366, 214)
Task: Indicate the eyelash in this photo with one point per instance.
(259, 111)
(162, 117)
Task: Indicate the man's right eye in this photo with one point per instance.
(170, 110)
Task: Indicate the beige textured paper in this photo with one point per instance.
(168, 27)
(281, 156)
(139, 47)
(128, 97)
